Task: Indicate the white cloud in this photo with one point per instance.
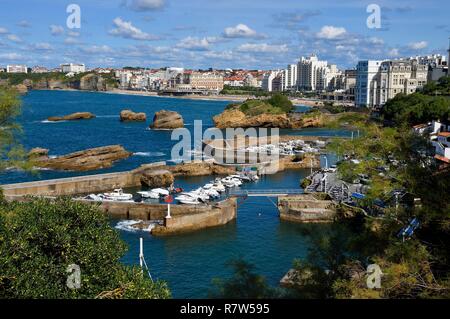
(330, 32)
(223, 55)
(71, 40)
(145, 5)
(44, 46)
(14, 38)
(10, 56)
(3, 31)
(262, 48)
(125, 29)
(193, 43)
(73, 34)
(376, 41)
(394, 52)
(56, 30)
(24, 24)
(241, 31)
(97, 49)
(418, 45)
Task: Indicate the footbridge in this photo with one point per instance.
(264, 192)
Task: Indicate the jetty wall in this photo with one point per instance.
(77, 185)
(306, 209)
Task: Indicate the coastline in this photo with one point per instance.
(231, 98)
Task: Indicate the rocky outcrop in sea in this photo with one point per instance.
(72, 117)
(167, 120)
(130, 116)
(86, 160)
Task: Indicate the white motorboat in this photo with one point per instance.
(212, 193)
(231, 182)
(189, 198)
(160, 191)
(118, 195)
(148, 194)
(94, 197)
(189, 201)
(218, 186)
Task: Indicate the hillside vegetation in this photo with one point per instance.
(277, 104)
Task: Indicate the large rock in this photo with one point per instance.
(92, 82)
(21, 88)
(201, 169)
(38, 154)
(235, 118)
(129, 115)
(157, 178)
(71, 117)
(167, 120)
(90, 159)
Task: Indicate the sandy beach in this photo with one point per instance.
(231, 98)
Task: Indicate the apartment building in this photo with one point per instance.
(366, 83)
(16, 68)
(290, 77)
(73, 68)
(311, 74)
(399, 76)
(208, 81)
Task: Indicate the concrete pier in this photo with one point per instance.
(306, 209)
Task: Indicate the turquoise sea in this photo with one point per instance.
(187, 262)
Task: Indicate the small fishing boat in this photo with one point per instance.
(118, 195)
(94, 197)
(148, 194)
(160, 191)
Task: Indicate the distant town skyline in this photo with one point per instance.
(218, 34)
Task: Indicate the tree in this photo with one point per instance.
(12, 153)
(40, 238)
(244, 284)
(281, 101)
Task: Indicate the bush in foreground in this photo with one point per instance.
(40, 238)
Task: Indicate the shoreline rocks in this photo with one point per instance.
(157, 178)
(72, 117)
(130, 116)
(86, 160)
(167, 120)
(234, 118)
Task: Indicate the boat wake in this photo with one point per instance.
(52, 122)
(129, 226)
(149, 154)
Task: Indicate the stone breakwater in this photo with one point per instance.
(184, 218)
(306, 209)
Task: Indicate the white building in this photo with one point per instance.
(267, 82)
(311, 73)
(399, 76)
(366, 83)
(16, 68)
(72, 67)
(290, 77)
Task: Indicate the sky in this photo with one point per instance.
(248, 34)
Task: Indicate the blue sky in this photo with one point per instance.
(256, 34)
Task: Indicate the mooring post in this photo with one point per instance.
(141, 254)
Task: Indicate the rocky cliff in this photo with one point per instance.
(235, 118)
